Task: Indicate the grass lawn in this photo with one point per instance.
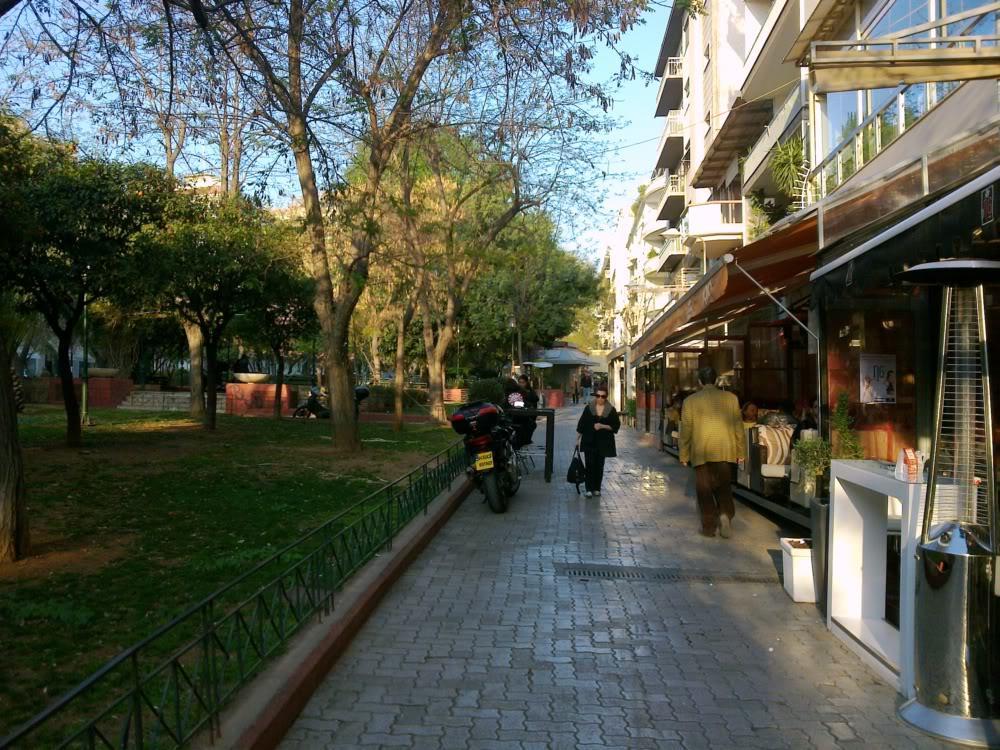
(155, 513)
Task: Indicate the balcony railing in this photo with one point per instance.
(787, 112)
(713, 217)
(670, 93)
(882, 127)
(671, 144)
(683, 279)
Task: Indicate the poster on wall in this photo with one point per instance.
(878, 378)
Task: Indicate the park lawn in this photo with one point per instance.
(155, 513)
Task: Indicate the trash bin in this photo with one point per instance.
(819, 514)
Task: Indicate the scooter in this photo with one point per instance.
(489, 442)
(315, 406)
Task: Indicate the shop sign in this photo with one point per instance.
(986, 205)
(878, 378)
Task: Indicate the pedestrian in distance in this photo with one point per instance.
(586, 383)
(595, 436)
(712, 441)
(575, 390)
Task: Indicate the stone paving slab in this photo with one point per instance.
(485, 643)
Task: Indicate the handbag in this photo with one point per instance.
(577, 473)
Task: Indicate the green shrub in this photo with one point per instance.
(847, 442)
(486, 390)
(812, 456)
(630, 407)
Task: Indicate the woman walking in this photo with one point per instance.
(595, 435)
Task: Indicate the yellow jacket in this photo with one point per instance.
(711, 428)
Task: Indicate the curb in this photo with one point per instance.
(287, 694)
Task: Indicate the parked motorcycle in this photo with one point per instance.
(489, 442)
(315, 406)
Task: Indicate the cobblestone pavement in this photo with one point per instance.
(488, 642)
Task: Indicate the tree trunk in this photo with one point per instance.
(520, 351)
(279, 382)
(211, 362)
(196, 343)
(400, 375)
(332, 323)
(435, 388)
(72, 406)
(14, 537)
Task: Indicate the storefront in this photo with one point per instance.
(881, 334)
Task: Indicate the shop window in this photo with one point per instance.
(871, 358)
(769, 364)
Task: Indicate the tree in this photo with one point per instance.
(208, 264)
(78, 218)
(15, 539)
(284, 316)
(544, 288)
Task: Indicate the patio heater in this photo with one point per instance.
(957, 619)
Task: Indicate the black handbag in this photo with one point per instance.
(577, 473)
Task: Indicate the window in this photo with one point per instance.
(899, 15)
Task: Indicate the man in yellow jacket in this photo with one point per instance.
(711, 440)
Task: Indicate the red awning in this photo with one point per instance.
(781, 262)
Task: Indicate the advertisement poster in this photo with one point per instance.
(878, 378)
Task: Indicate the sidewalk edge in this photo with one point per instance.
(281, 697)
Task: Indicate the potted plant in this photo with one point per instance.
(812, 458)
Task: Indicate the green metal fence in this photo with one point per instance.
(168, 687)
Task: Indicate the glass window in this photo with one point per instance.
(984, 24)
(841, 117)
(899, 15)
(914, 102)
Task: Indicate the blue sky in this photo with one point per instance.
(626, 164)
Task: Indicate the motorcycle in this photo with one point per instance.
(489, 438)
(315, 406)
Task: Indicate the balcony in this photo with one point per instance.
(671, 146)
(657, 184)
(713, 228)
(875, 134)
(661, 264)
(743, 124)
(671, 86)
(682, 279)
(950, 48)
(787, 116)
(765, 69)
(675, 196)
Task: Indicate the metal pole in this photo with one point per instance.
(84, 369)
(804, 327)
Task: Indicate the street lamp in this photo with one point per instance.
(513, 326)
(730, 259)
(85, 364)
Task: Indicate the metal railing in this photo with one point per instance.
(164, 690)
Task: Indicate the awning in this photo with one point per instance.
(781, 262)
(614, 354)
(969, 188)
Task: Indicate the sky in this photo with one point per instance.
(627, 165)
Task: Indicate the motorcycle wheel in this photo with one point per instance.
(513, 475)
(495, 496)
(301, 413)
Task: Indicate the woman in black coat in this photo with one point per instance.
(595, 435)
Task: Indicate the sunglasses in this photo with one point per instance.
(601, 395)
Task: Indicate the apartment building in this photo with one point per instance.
(817, 150)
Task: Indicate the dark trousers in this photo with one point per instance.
(595, 470)
(715, 493)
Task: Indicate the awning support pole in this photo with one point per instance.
(731, 260)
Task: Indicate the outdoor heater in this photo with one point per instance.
(957, 598)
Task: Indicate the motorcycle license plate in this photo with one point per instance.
(484, 461)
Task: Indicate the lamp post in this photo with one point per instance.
(513, 326)
(84, 364)
(730, 259)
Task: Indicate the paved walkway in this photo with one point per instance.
(489, 641)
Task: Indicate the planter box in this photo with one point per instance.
(796, 566)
